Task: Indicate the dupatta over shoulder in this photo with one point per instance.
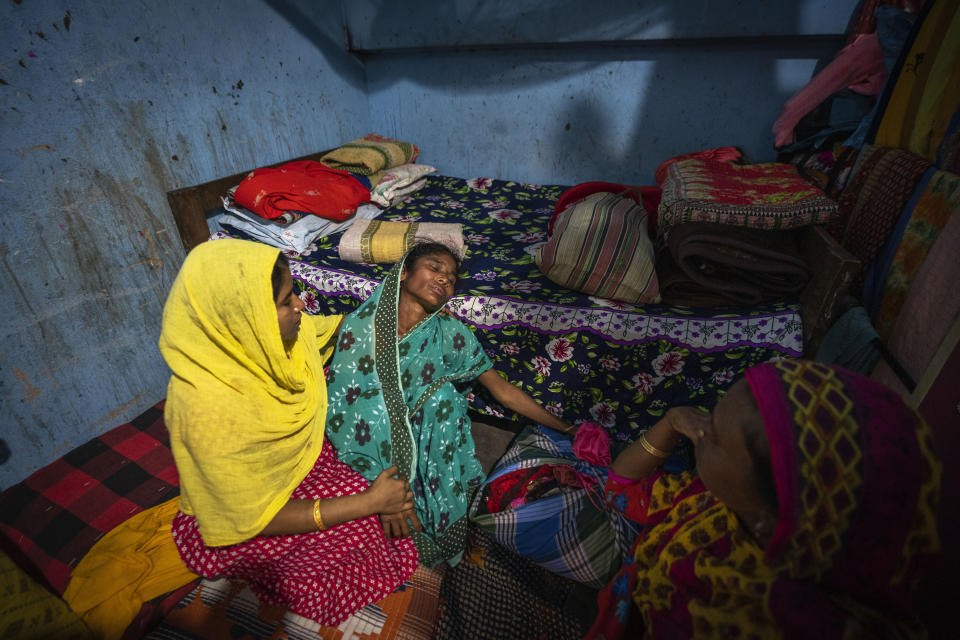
(245, 411)
(402, 400)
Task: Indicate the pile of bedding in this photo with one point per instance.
(293, 204)
(583, 356)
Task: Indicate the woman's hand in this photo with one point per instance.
(395, 525)
(389, 493)
(689, 421)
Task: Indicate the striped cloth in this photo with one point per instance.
(378, 241)
(371, 155)
(570, 533)
(600, 247)
(921, 109)
(881, 186)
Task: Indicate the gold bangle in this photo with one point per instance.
(317, 519)
(652, 450)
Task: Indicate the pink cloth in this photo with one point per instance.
(592, 444)
(325, 576)
(858, 66)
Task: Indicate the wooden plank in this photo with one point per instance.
(832, 270)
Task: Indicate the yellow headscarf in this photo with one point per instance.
(245, 412)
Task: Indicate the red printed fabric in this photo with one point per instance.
(325, 576)
(759, 196)
(305, 186)
(720, 154)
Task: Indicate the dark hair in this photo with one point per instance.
(423, 249)
(276, 276)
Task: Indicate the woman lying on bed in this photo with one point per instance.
(812, 515)
(263, 496)
(398, 384)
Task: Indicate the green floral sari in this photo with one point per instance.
(403, 402)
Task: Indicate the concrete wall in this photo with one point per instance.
(104, 107)
(569, 91)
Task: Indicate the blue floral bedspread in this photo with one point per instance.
(583, 358)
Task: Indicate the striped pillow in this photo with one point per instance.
(600, 247)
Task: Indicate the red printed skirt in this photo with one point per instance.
(325, 576)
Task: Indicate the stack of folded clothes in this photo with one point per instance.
(727, 231)
(294, 205)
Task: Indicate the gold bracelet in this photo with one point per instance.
(652, 450)
(317, 519)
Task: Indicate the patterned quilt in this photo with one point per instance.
(581, 357)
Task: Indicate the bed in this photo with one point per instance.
(582, 357)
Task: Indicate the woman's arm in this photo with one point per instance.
(387, 494)
(516, 400)
(637, 462)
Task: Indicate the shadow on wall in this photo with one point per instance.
(324, 28)
(543, 91)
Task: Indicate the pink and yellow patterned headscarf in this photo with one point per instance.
(857, 484)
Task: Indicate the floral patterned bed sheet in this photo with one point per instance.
(583, 358)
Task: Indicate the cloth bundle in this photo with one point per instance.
(599, 246)
(305, 186)
(376, 241)
(707, 264)
(568, 532)
(758, 196)
(371, 155)
(398, 182)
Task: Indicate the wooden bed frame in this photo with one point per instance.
(832, 267)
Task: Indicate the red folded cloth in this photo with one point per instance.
(305, 186)
(720, 154)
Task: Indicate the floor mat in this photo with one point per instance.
(494, 593)
(229, 610)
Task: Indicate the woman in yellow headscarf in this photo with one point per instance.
(263, 496)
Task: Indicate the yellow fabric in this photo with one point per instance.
(245, 411)
(378, 241)
(925, 95)
(370, 155)
(28, 611)
(134, 563)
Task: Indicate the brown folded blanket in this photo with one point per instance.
(710, 264)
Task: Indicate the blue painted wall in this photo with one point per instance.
(569, 91)
(106, 106)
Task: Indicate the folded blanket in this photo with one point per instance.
(398, 182)
(304, 186)
(370, 154)
(721, 264)
(372, 241)
(757, 196)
